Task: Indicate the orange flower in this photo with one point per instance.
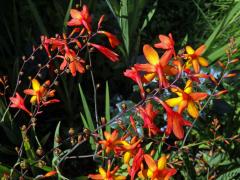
(111, 38)
(186, 99)
(110, 144)
(148, 115)
(40, 94)
(175, 121)
(156, 66)
(194, 58)
(157, 171)
(70, 58)
(134, 75)
(130, 149)
(137, 161)
(80, 18)
(107, 175)
(53, 42)
(49, 174)
(107, 52)
(18, 102)
(166, 43)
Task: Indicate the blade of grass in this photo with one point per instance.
(124, 24)
(55, 142)
(67, 15)
(85, 124)
(114, 7)
(107, 107)
(86, 109)
(149, 16)
(37, 17)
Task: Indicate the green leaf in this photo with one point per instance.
(86, 109)
(55, 143)
(85, 124)
(114, 7)
(216, 160)
(67, 15)
(149, 15)
(124, 24)
(107, 107)
(230, 174)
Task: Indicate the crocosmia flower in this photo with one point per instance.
(41, 93)
(175, 121)
(156, 170)
(107, 174)
(156, 66)
(107, 52)
(18, 102)
(111, 38)
(194, 58)
(135, 76)
(74, 63)
(166, 43)
(186, 99)
(80, 18)
(111, 141)
(148, 115)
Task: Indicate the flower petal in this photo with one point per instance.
(75, 14)
(150, 162)
(188, 87)
(148, 77)
(196, 66)
(177, 128)
(190, 50)
(162, 162)
(150, 54)
(197, 96)
(35, 85)
(165, 58)
(192, 109)
(174, 101)
(102, 172)
(200, 50)
(202, 61)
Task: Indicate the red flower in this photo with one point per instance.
(53, 42)
(156, 66)
(107, 52)
(111, 38)
(41, 93)
(111, 141)
(18, 102)
(166, 43)
(70, 58)
(134, 75)
(156, 170)
(137, 160)
(148, 114)
(80, 18)
(175, 121)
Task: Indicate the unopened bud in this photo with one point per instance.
(41, 163)
(71, 131)
(32, 57)
(39, 151)
(23, 165)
